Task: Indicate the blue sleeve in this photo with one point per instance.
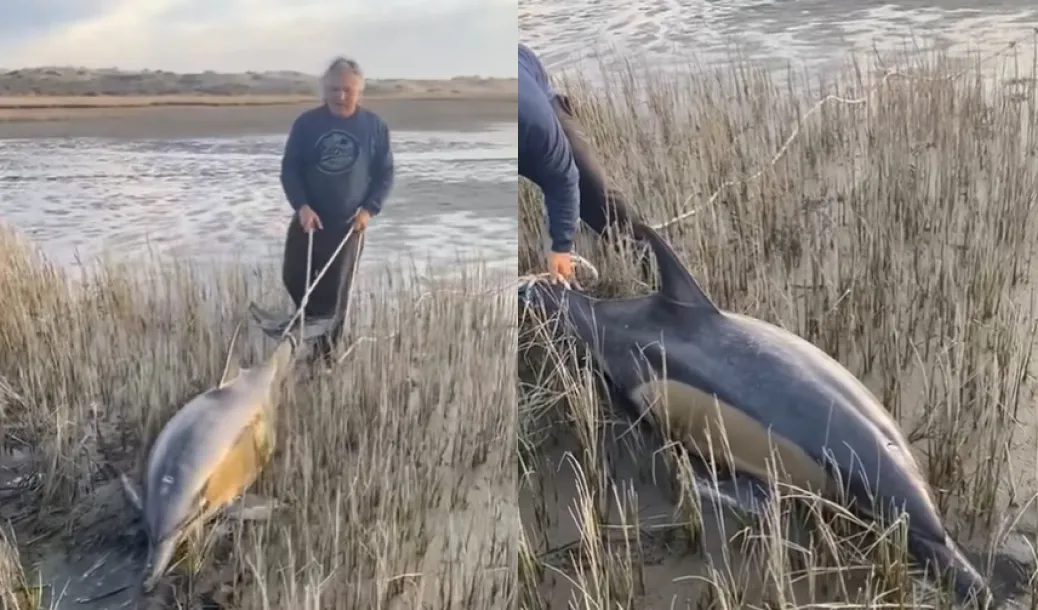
(562, 200)
(545, 156)
(292, 167)
(546, 159)
(382, 171)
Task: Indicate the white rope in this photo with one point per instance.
(310, 287)
(522, 281)
(525, 281)
(814, 109)
(306, 293)
(580, 261)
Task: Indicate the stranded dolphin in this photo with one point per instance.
(208, 453)
(751, 391)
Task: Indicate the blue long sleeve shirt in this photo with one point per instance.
(545, 156)
(337, 165)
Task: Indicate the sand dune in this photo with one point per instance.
(65, 102)
(49, 102)
(57, 85)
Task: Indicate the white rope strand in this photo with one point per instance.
(310, 288)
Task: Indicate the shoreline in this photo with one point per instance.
(197, 116)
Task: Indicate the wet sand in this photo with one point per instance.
(228, 119)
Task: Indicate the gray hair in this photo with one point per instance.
(338, 66)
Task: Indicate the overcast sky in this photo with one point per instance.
(391, 38)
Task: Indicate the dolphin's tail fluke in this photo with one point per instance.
(946, 561)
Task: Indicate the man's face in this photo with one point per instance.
(343, 93)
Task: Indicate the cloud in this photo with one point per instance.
(391, 38)
(26, 20)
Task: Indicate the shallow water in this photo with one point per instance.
(221, 198)
(804, 33)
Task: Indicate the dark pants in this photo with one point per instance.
(602, 207)
(331, 296)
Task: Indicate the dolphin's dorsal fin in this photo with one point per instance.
(231, 366)
(676, 283)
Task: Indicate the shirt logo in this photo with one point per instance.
(337, 152)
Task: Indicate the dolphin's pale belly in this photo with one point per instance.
(191, 446)
(765, 402)
(713, 428)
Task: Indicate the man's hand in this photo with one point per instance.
(560, 266)
(308, 219)
(360, 220)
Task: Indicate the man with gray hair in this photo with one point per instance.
(336, 172)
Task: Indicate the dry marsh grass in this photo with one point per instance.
(897, 235)
(394, 474)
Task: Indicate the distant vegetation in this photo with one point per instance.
(112, 82)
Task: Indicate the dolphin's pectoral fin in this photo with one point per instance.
(619, 400)
(250, 507)
(740, 493)
(132, 493)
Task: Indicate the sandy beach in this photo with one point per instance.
(196, 121)
(36, 104)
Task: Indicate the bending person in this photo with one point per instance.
(555, 155)
(336, 172)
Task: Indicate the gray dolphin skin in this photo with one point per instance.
(756, 394)
(207, 454)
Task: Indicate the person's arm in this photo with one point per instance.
(548, 162)
(292, 167)
(382, 172)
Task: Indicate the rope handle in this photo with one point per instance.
(310, 286)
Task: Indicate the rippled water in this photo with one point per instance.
(807, 33)
(214, 198)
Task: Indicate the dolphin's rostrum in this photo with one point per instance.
(208, 453)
